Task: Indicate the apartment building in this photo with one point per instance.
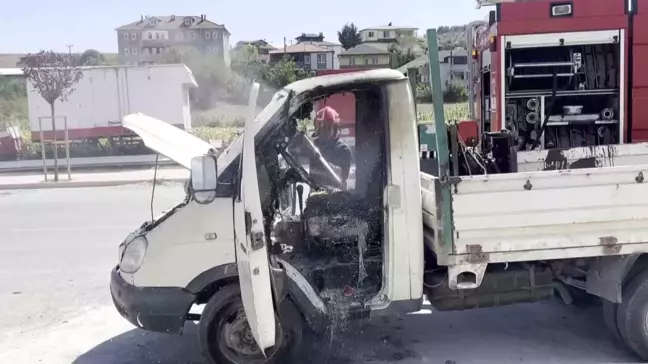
(387, 33)
(311, 51)
(365, 56)
(453, 63)
(148, 39)
(306, 55)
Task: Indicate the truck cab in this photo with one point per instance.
(263, 240)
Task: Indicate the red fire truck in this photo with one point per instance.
(345, 105)
(562, 73)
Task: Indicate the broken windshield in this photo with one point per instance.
(234, 150)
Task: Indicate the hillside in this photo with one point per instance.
(451, 37)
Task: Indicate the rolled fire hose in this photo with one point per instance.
(532, 117)
(607, 114)
(533, 104)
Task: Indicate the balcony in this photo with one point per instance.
(154, 43)
(304, 65)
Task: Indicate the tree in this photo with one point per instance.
(246, 62)
(285, 72)
(91, 57)
(53, 75)
(401, 58)
(349, 36)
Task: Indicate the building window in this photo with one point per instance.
(187, 22)
(207, 35)
(157, 35)
(374, 60)
(371, 34)
(134, 36)
(150, 35)
(458, 75)
(307, 58)
(366, 61)
(134, 51)
(214, 35)
(126, 51)
(126, 36)
(352, 61)
(321, 58)
(460, 60)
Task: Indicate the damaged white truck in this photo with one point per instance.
(276, 252)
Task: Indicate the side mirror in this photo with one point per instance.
(204, 178)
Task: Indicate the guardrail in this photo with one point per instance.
(90, 162)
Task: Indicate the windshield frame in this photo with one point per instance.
(267, 119)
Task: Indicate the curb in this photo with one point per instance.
(85, 184)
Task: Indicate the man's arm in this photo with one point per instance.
(344, 162)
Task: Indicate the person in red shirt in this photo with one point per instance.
(327, 140)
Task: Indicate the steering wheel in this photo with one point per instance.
(328, 169)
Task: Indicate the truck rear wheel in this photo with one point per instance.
(609, 311)
(632, 315)
(226, 338)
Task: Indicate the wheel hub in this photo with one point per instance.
(238, 336)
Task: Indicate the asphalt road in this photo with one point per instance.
(58, 246)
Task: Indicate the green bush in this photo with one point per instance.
(455, 92)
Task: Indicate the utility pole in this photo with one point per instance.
(69, 47)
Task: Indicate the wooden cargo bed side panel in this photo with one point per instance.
(552, 210)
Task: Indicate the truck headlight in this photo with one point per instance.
(133, 255)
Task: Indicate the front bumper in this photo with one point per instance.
(161, 309)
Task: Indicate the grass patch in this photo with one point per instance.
(213, 130)
(453, 112)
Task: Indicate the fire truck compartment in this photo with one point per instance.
(562, 90)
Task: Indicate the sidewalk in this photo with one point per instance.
(92, 179)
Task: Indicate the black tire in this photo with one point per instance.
(632, 315)
(583, 299)
(224, 310)
(609, 311)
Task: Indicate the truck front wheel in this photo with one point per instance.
(226, 338)
(632, 315)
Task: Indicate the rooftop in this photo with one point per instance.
(173, 22)
(390, 27)
(302, 48)
(261, 43)
(364, 48)
(423, 59)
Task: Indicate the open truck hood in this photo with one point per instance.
(166, 139)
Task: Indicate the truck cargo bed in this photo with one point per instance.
(542, 215)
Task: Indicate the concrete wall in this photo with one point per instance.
(329, 60)
(106, 94)
(364, 61)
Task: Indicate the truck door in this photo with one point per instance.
(251, 250)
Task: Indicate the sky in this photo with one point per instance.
(53, 24)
